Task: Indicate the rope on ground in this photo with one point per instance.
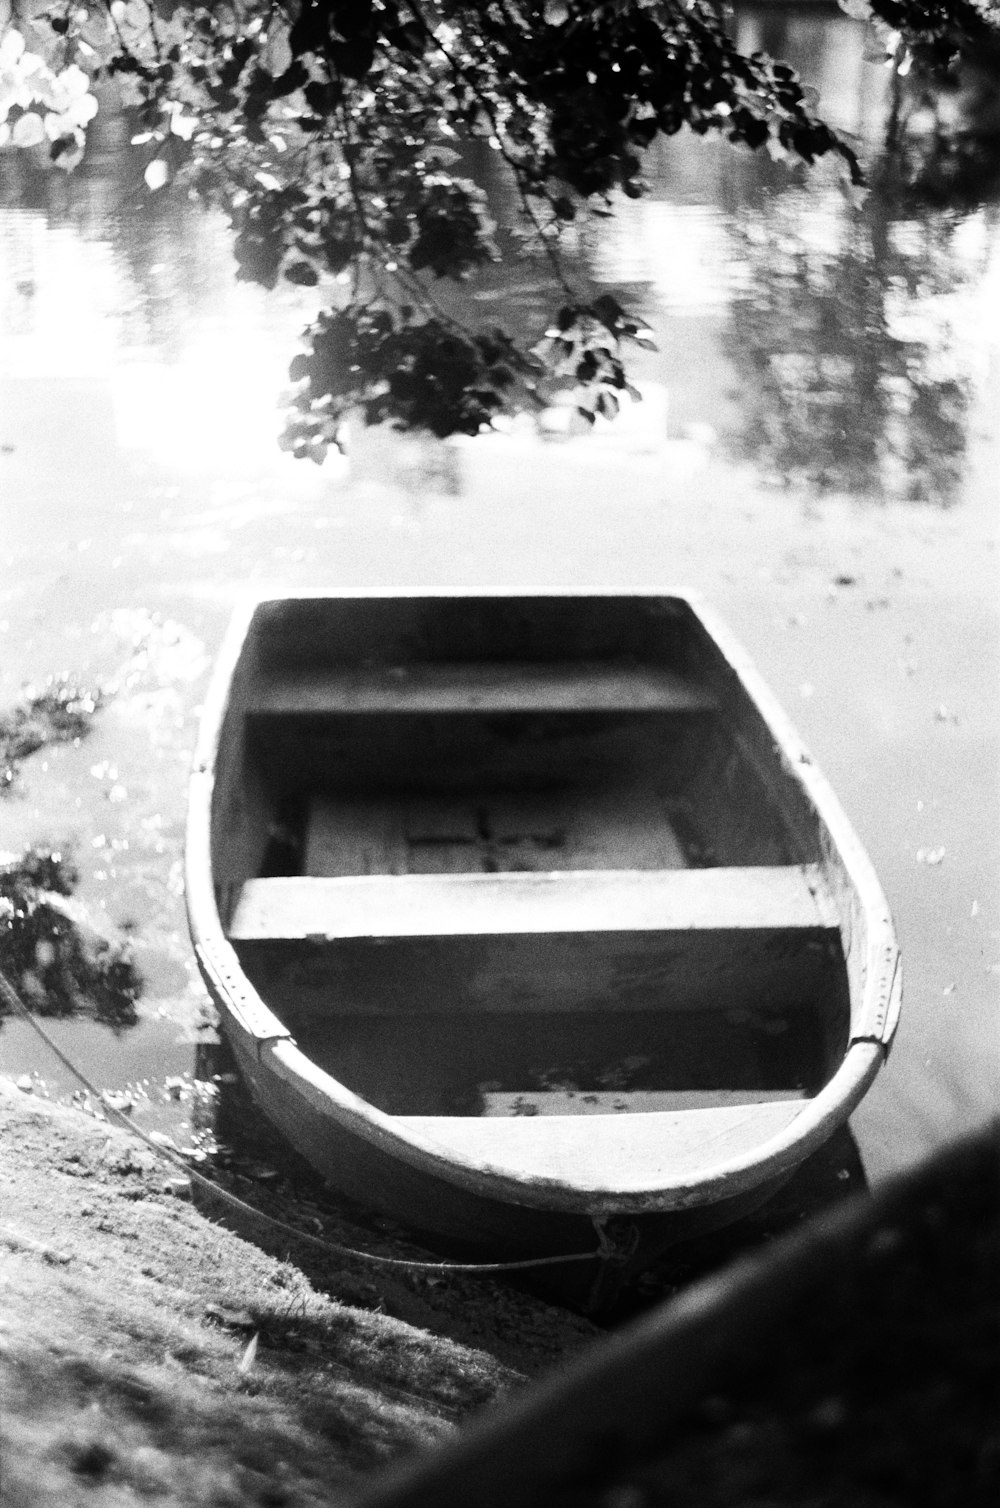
(334, 1248)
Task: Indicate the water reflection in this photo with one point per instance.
(97, 940)
(98, 280)
(854, 377)
(58, 965)
(825, 337)
(59, 713)
(835, 320)
(946, 133)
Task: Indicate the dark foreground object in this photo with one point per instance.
(857, 1361)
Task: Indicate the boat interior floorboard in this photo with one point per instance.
(488, 1065)
(440, 833)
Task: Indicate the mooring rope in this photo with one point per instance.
(335, 1248)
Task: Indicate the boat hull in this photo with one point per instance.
(543, 887)
(470, 1227)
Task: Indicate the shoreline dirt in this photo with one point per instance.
(148, 1354)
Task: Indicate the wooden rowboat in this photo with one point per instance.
(528, 915)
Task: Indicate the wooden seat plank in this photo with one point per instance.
(430, 905)
(503, 686)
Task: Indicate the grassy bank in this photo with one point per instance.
(147, 1354)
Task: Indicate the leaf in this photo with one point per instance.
(249, 1355)
(442, 156)
(29, 131)
(67, 151)
(11, 48)
(302, 273)
(183, 126)
(157, 174)
(609, 311)
(409, 38)
(277, 50)
(354, 58)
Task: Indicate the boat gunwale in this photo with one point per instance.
(767, 1161)
(872, 1024)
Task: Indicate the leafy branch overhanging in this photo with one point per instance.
(336, 136)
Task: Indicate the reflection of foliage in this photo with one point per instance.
(60, 713)
(43, 107)
(432, 374)
(844, 351)
(420, 372)
(59, 968)
(955, 170)
(933, 34)
(333, 134)
(944, 136)
(944, 115)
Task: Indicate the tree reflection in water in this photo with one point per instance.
(59, 713)
(59, 966)
(854, 378)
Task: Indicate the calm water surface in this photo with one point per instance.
(817, 452)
